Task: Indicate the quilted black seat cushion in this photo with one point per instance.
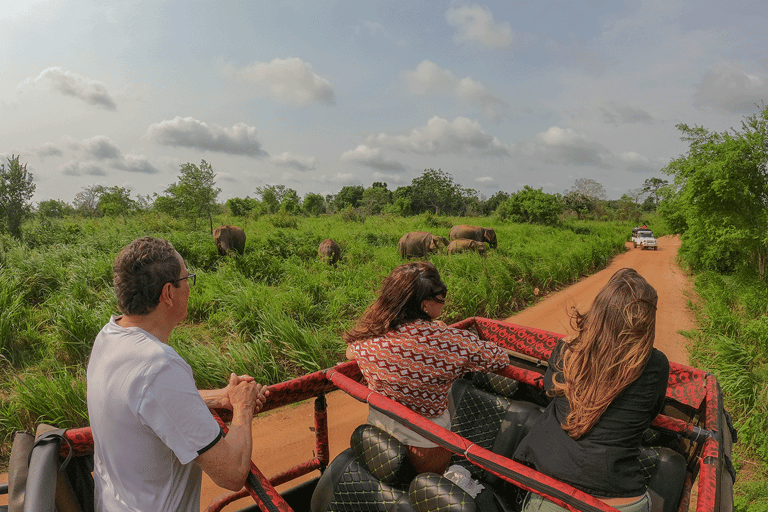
(372, 475)
(430, 492)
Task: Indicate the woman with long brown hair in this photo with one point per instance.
(607, 385)
(406, 354)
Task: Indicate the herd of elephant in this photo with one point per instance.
(417, 244)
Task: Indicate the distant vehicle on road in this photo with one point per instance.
(643, 237)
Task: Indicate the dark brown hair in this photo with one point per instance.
(614, 342)
(140, 271)
(399, 300)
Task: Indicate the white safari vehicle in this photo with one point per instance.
(643, 238)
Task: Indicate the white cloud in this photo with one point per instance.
(76, 168)
(94, 154)
(564, 146)
(730, 88)
(492, 107)
(485, 180)
(632, 157)
(428, 78)
(100, 147)
(135, 163)
(300, 163)
(68, 83)
(475, 25)
(290, 80)
(459, 136)
(623, 114)
(191, 133)
(47, 149)
(371, 157)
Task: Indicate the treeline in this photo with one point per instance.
(195, 197)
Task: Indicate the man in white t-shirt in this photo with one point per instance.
(152, 429)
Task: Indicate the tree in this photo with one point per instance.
(349, 195)
(241, 207)
(16, 189)
(374, 199)
(87, 201)
(492, 203)
(53, 209)
(291, 203)
(194, 195)
(627, 208)
(313, 204)
(653, 186)
(114, 201)
(434, 191)
(272, 196)
(531, 206)
(721, 192)
(584, 197)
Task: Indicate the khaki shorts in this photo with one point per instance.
(535, 503)
(401, 433)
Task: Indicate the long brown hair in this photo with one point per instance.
(399, 300)
(614, 342)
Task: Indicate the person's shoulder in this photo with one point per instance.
(659, 358)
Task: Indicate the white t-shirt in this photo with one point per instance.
(148, 422)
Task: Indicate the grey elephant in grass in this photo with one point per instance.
(465, 244)
(486, 235)
(329, 250)
(229, 239)
(420, 244)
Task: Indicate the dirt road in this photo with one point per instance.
(284, 438)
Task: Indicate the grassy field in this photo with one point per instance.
(276, 312)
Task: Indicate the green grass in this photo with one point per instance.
(275, 312)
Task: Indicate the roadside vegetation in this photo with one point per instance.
(718, 201)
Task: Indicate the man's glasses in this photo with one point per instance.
(192, 278)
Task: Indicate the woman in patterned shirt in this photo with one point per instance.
(406, 354)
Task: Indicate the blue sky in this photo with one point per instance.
(316, 95)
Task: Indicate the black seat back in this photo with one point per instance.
(490, 420)
(665, 475)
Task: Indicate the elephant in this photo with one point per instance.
(420, 243)
(330, 251)
(465, 244)
(229, 239)
(487, 235)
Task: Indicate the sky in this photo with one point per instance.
(316, 95)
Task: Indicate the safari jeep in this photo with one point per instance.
(644, 239)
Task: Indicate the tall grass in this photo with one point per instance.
(732, 343)
(275, 312)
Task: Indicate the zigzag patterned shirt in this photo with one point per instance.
(416, 364)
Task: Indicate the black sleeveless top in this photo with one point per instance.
(605, 461)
